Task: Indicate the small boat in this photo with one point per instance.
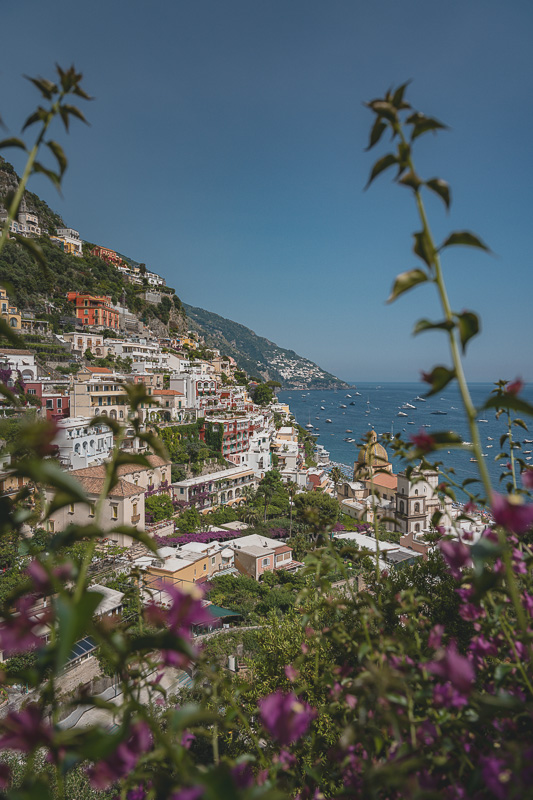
(473, 460)
(438, 412)
(491, 438)
(322, 408)
(328, 420)
(420, 399)
(342, 405)
(358, 394)
(317, 417)
(401, 414)
(482, 420)
(348, 395)
(408, 405)
(310, 425)
(489, 445)
(353, 403)
(410, 422)
(527, 441)
(348, 430)
(525, 451)
(426, 425)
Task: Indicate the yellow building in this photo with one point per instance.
(174, 571)
(10, 313)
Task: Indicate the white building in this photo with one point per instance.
(72, 239)
(80, 445)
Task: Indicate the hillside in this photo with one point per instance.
(9, 181)
(257, 355)
(44, 293)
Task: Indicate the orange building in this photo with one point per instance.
(94, 310)
(106, 254)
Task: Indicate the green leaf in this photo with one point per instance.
(13, 142)
(58, 152)
(438, 379)
(441, 188)
(384, 109)
(75, 112)
(406, 281)
(397, 98)
(422, 124)
(6, 392)
(50, 174)
(411, 179)
(38, 116)
(33, 248)
(376, 133)
(47, 472)
(465, 238)
(520, 423)
(427, 325)
(73, 620)
(468, 323)
(380, 166)
(511, 402)
(422, 247)
(46, 87)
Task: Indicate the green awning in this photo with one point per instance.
(218, 611)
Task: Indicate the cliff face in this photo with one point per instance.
(9, 181)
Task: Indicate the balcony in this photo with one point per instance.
(135, 518)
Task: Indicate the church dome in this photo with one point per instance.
(373, 454)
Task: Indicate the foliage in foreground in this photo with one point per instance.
(411, 688)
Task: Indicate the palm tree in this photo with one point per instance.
(291, 488)
(336, 476)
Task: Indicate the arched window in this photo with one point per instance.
(416, 491)
(401, 506)
(417, 508)
(13, 322)
(417, 528)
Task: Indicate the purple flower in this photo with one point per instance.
(496, 776)
(17, 633)
(527, 478)
(41, 578)
(435, 636)
(481, 648)
(456, 555)
(242, 775)
(447, 696)
(186, 610)
(454, 667)
(123, 760)
(25, 730)
(291, 673)
(423, 441)
(187, 739)
(285, 717)
(512, 513)
(189, 793)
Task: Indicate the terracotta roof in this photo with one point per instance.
(168, 391)
(124, 469)
(99, 370)
(122, 489)
(384, 479)
(283, 549)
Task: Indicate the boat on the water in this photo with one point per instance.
(408, 405)
(438, 412)
(420, 399)
(328, 420)
(353, 403)
(401, 414)
(342, 405)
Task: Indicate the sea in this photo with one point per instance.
(354, 412)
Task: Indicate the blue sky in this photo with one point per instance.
(226, 151)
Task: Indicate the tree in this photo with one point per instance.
(189, 521)
(336, 476)
(159, 507)
(268, 487)
(317, 510)
(262, 395)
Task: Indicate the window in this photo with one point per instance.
(92, 509)
(213, 559)
(71, 508)
(114, 512)
(50, 404)
(266, 562)
(417, 508)
(59, 402)
(205, 567)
